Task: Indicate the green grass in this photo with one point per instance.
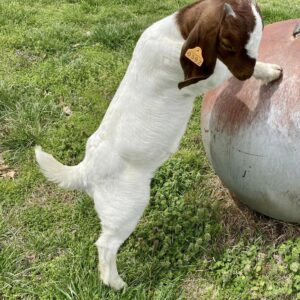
(59, 52)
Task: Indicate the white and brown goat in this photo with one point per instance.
(151, 108)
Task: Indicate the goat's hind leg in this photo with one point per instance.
(119, 205)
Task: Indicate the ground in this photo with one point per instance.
(60, 64)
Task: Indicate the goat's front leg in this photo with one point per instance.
(267, 72)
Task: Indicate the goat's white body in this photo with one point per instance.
(141, 129)
(148, 115)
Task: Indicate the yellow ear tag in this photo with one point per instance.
(195, 55)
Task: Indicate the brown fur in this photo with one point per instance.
(206, 24)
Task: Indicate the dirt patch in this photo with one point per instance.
(5, 171)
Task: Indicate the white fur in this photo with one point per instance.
(267, 72)
(255, 37)
(263, 71)
(141, 129)
(64, 176)
(229, 10)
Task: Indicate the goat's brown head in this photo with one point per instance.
(230, 31)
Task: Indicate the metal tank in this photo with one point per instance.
(251, 131)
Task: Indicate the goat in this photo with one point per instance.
(151, 108)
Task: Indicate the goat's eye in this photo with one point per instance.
(227, 46)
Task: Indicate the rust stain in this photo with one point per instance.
(237, 104)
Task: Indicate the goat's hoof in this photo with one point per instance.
(274, 72)
(116, 282)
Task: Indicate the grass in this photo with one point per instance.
(193, 241)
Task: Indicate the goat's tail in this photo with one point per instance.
(67, 177)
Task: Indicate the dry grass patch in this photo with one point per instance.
(197, 288)
(42, 195)
(5, 171)
(239, 220)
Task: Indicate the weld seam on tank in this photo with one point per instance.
(296, 32)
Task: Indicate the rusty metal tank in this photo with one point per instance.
(251, 131)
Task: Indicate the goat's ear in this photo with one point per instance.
(203, 35)
(229, 10)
